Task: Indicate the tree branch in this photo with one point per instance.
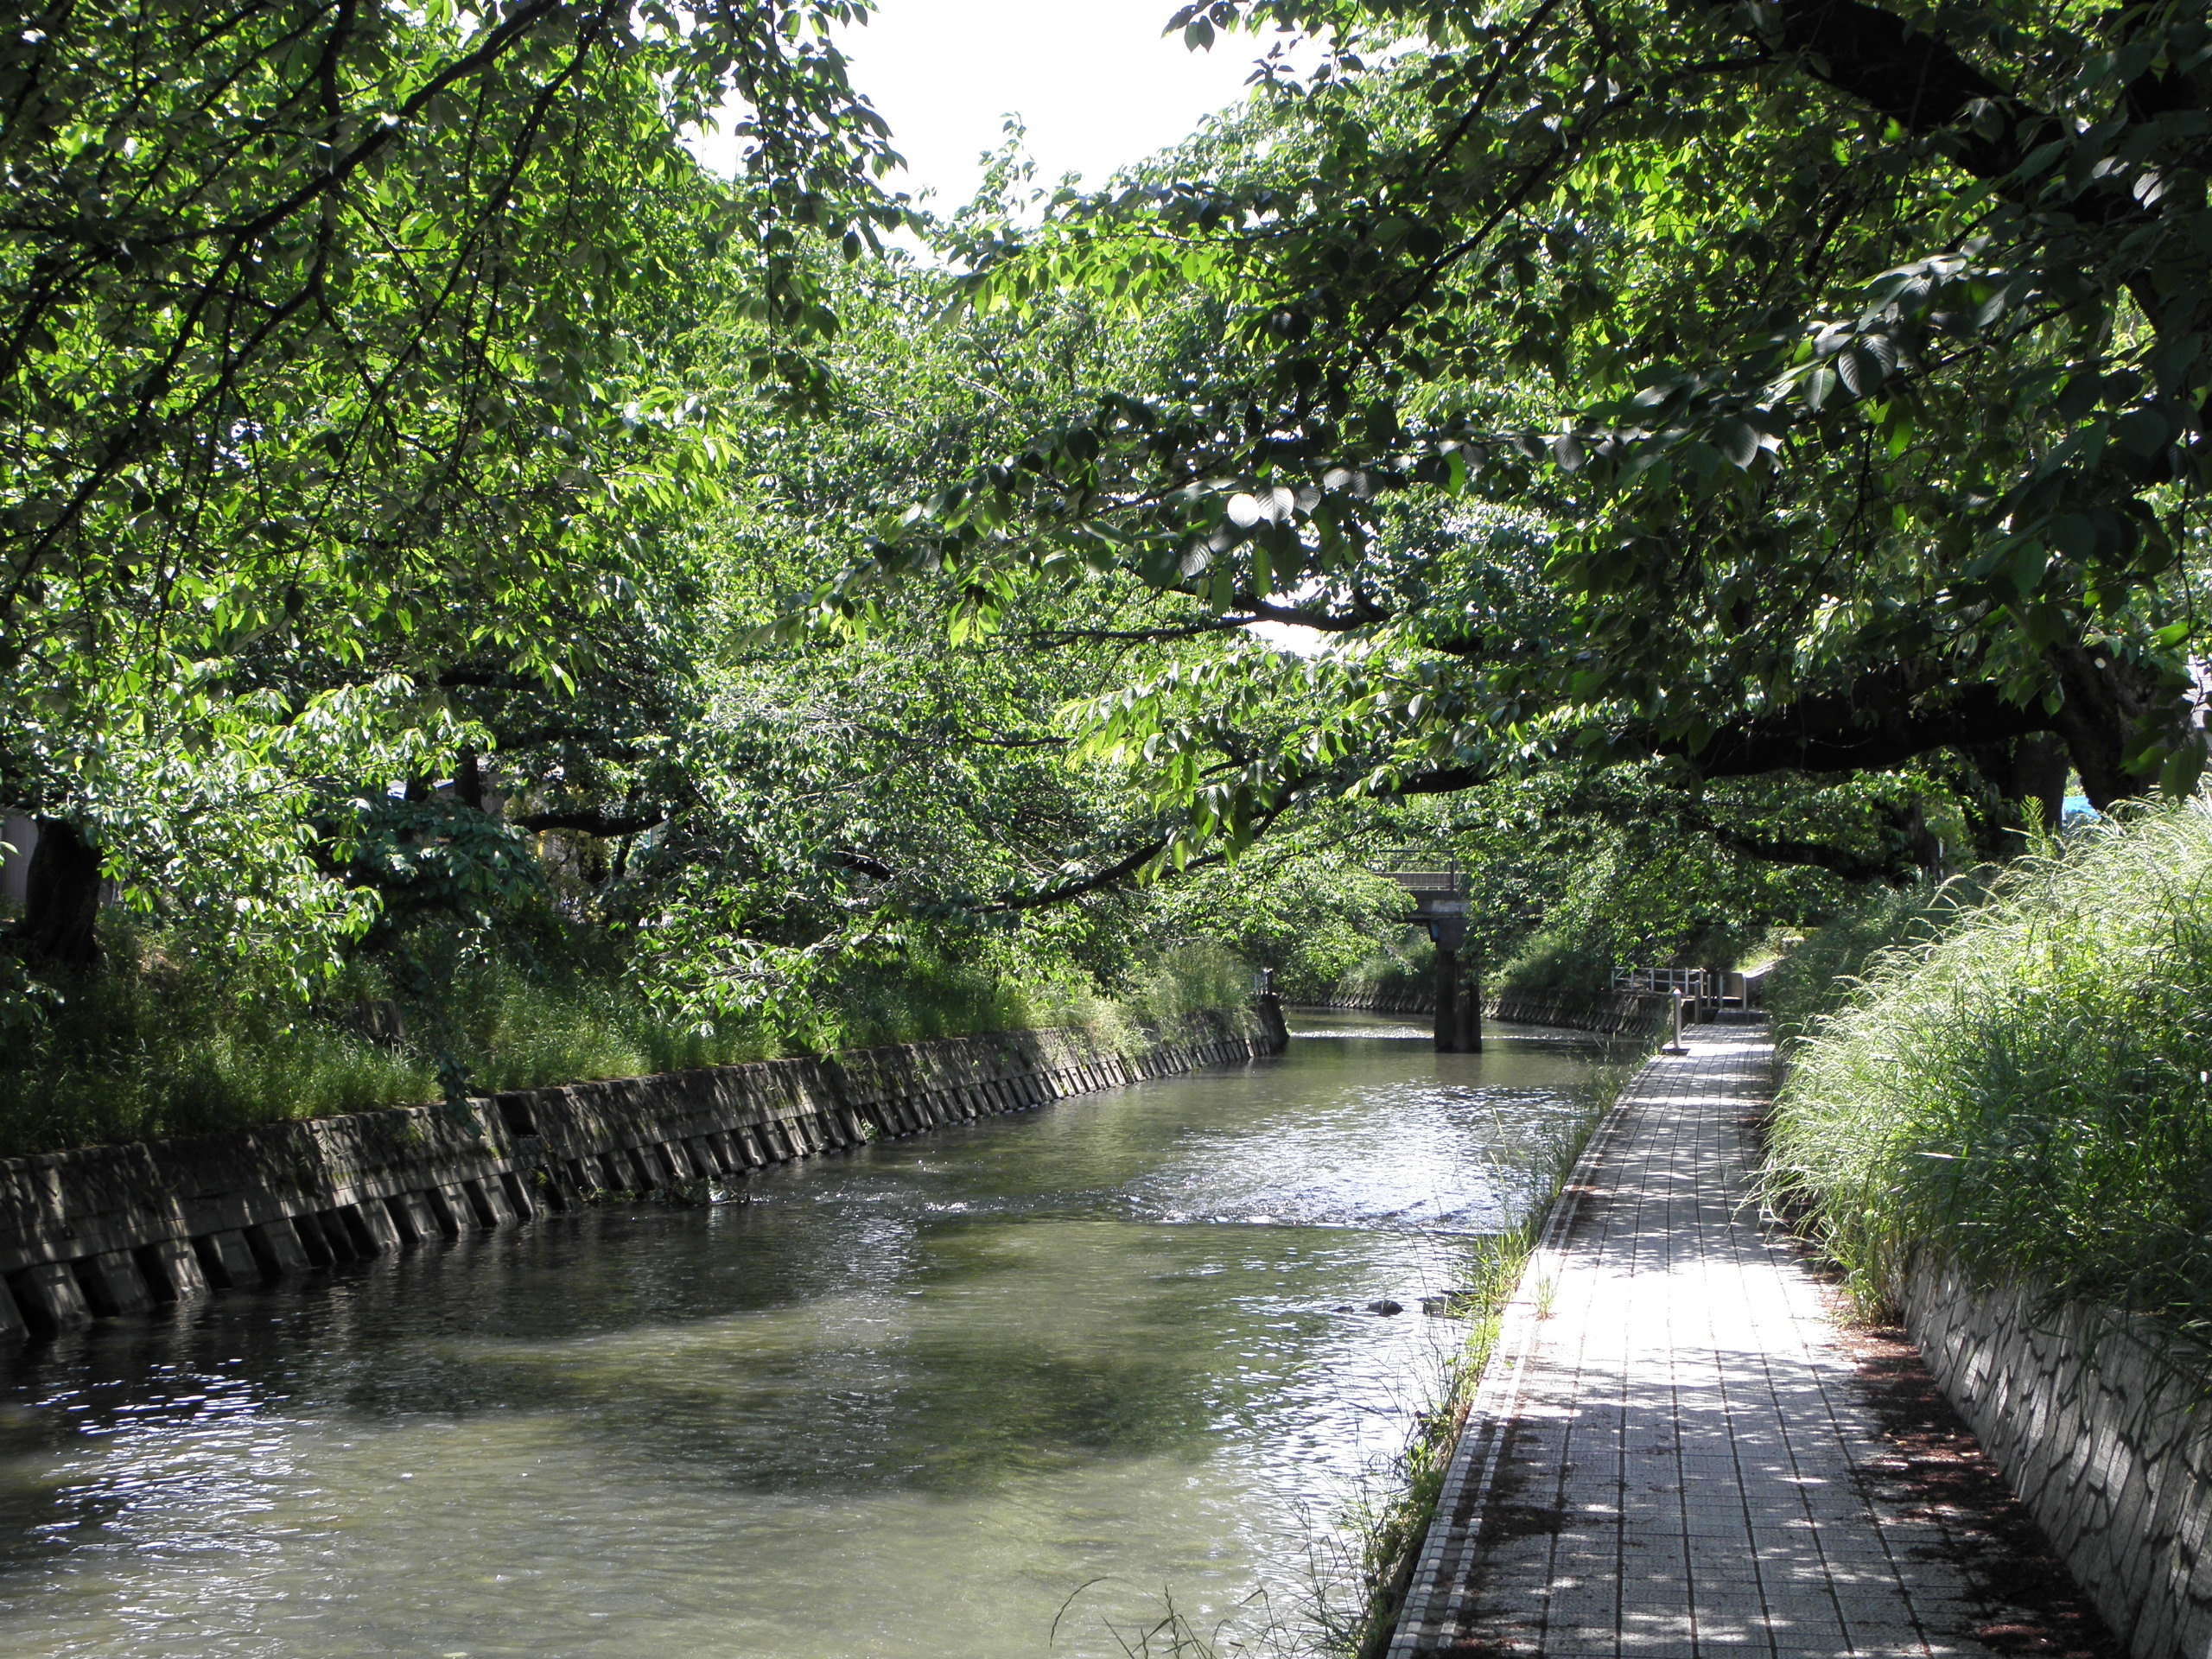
(592, 821)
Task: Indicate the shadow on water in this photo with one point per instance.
(899, 1402)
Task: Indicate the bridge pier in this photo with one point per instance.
(1459, 1003)
(1441, 905)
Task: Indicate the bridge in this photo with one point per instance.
(1441, 892)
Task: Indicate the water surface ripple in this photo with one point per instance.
(903, 1403)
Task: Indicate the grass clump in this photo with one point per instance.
(1817, 975)
(2030, 1091)
(163, 1041)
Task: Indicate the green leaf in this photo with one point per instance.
(2184, 766)
(1736, 440)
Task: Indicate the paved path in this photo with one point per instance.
(1671, 1456)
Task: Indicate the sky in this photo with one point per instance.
(1096, 82)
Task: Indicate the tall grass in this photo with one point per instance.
(2029, 1091)
(516, 1029)
(161, 1043)
(1817, 976)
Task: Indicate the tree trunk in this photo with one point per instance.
(468, 779)
(61, 902)
(2109, 703)
(2040, 765)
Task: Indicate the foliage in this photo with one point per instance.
(2028, 1091)
(166, 1044)
(174, 1040)
(1818, 975)
(1403, 969)
(337, 347)
(1798, 386)
(1574, 875)
(1190, 980)
(1307, 904)
(492, 470)
(1686, 904)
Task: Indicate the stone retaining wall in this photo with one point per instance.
(1621, 1013)
(114, 1229)
(1615, 1013)
(1386, 1002)
(2104, 1432)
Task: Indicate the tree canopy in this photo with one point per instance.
(340, 354)
(1762, 442)
(1804, 385)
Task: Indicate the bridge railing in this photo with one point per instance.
(1421, 875)
(1679, 981)
(1429, 881)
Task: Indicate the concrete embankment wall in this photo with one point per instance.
(1616, 1013)
(2103, 1429)
(115, 1230)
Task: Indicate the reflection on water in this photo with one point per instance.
(904, 1402)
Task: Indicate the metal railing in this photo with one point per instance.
(1681, 981)
(1428, 880)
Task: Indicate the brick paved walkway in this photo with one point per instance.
(1670, 1453)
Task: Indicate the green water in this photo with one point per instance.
(906, 1402)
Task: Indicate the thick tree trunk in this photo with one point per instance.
(468, 779)
(2109, 703)
(62, 903)
(2012, 774)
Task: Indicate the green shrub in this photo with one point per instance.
(1563, 959)
(925, 992)
(515, 1029)
(2031, 1090)
(1187, 980)
(163, 1044)
(1404, 966)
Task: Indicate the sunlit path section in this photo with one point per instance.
(1671, 1456)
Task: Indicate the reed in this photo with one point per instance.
(2028, 1090)
(1817, 974)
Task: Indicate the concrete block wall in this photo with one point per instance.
(1386, 1002)
(112, 1230)
(2103, 1427)
(1624, 1014)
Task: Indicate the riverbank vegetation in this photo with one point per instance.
(159, 1044)
(2020, 1081)
(459, 553)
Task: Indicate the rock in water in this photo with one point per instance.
(1385, 1307)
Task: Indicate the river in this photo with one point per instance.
(903, 1403)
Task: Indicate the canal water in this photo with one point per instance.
(925, 1400)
